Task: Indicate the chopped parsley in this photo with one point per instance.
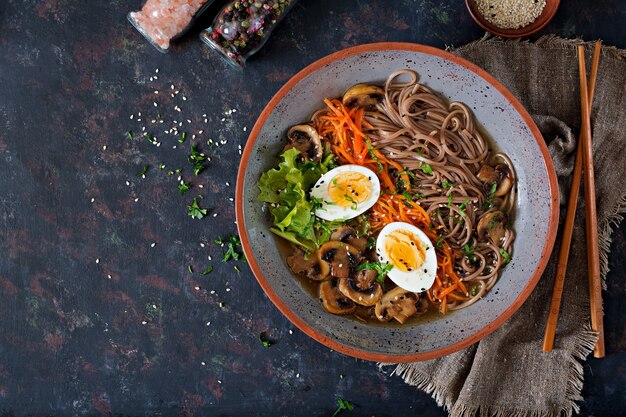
(190, 269)
(196, 159)
(468, 252)
(161, 165)
(129, 135)
(183, 137)
(408, 172)
(149, 138)
(342, 405)
(426, 168)
(446, 184)
(381, 269)
(463, 205)
(505, 255)
(449, 200)
(371, 243)
(492, 190)
(195, 211)
(474, 290)
(183, 187)
(231, 243)
(440, 241)
(264, 340)
(207, 271)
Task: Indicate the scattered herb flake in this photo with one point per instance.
(144, 171)
(207, 271)
(190, 269)
(492, 191)
(446, 184)
(183, 137)
(381, 269)
(161, 165)
(195, 211)
(342, 405)
(427, 169)
(505, 255)
(440, 241)
(183, 187)
(129, 135)
(371, 243)
(468, 252)
(264, 340)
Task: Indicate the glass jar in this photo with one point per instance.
(161, 21)
(243, 26)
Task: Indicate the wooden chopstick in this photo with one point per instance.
(568, 227)
(591, 215)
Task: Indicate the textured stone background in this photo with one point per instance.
(72, 339)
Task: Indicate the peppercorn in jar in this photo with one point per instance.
(242, 27)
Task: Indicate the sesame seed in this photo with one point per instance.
(227, 289)
(153, 244)
(97, 260)
(290, 331)
(210, 258)
(155, 104)
(93, 199)
(202, 363)
(132, 116)
(144, 322)
(156, 71)
(156, 91)
(109, 276)
(184, 98)
(212, 291)
(201, 245)
(214, 214)
(197, 288)
(137, 199)
(208, 323)
(245, 128)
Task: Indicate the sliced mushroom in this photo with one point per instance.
(305, 139)
(314, 267)
(505, 180)
(487, 174)
(398, 304)
(362, 288)
(363, 95)
(348, 234)
(342, 257)
(501, 175)
(334, 301)
(492, 224)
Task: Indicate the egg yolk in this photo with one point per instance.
(348, 189)
(405, 251)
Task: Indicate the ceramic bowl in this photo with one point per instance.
(501, 116)
(539, 23)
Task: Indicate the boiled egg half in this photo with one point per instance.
(411, 254)
(345, 192)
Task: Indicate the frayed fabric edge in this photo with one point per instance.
(549, 41)
(605, 236)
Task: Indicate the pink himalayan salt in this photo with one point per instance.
(161, 20)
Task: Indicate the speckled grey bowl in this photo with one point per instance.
(501, 116)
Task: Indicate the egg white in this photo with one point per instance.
(414, 281)
(335, 212)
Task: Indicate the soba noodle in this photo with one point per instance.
(415, 127)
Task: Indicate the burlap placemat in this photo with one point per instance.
(507, 373)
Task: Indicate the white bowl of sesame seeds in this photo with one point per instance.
(512, 18)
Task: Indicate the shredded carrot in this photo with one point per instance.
(343, 128)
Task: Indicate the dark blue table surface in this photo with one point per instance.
(94, 319)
